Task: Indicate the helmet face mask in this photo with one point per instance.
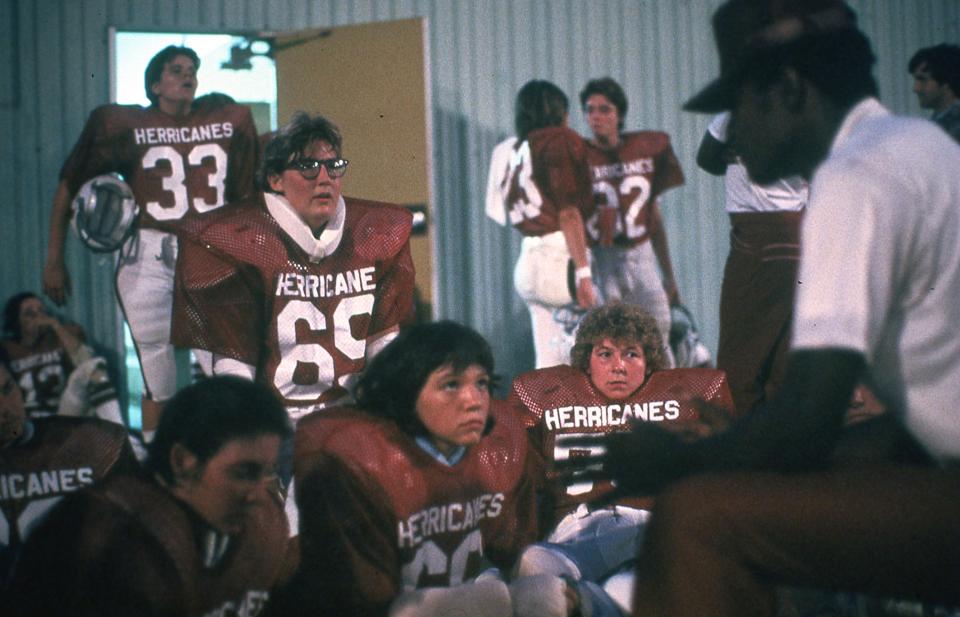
(104, 213)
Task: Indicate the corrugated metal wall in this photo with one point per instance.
(53, 71)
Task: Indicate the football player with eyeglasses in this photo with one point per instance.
(297, 287)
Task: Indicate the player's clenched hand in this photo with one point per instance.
(711, 419)
(56, 282)
(640, 462)
(586, 294)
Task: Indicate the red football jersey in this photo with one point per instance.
(246, 290)
(177, 167)
(142, 551)
(626, 180)
(42, 370)
(379, 515)
(56, 457)
(546, 173)
(560, 402)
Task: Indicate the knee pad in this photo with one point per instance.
(619, 588)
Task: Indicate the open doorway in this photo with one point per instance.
(231, 64)
(382, 107)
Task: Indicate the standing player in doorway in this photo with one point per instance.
(180, 162)
(538, 183)
(629, 172)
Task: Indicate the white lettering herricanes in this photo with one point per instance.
(615, 414)
(448, 517)
(182, 134)
(291, 284)
(621, 169)
(43, 483)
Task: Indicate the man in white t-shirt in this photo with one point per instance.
(760, 277)
(762, 503)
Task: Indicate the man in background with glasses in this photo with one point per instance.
(297, 287)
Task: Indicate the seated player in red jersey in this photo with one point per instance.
(407, 498)
(180, 161)
(616, 379)
(44, 459)
(57, 372)
(201, 533)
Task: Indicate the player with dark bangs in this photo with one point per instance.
(418, 491)
(202, 532)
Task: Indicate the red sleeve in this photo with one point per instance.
(395, 302)
(669, 173)
(216, 304)
(97, 150)
(504, 543)
(244, 157)
(565, 159)
(537, 486)
(349, 562)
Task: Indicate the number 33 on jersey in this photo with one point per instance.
(177, 167)
(248, 290)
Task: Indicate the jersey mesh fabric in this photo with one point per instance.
(626, 179)
(141, 553)
(62, 456)
(395, 518)
(247, 291)
(551, 175)
(178, 167)
(561, 401)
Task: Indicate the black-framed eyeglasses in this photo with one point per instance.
(310, 168)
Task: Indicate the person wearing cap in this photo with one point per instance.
(759, 504)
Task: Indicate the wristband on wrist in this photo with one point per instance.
(582, 273)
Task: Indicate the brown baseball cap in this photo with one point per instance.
(743, 29)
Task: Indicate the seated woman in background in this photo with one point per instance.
(408, 498)
(57, 372)
(617, 377)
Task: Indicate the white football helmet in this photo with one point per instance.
(688, 350)
(104, 213)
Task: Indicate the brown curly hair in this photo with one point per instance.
(619, 323)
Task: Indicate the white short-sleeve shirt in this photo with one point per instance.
(880, 267)
(787, 195)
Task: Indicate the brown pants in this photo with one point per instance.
(717, 545)
(756, 303)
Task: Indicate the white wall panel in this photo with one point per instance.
(53, 71)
